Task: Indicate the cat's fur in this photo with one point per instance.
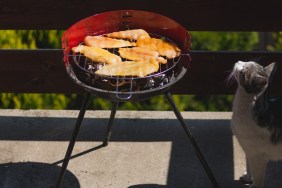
(257, 117)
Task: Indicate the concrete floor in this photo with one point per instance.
(147, 150)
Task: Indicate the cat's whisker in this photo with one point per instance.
(230, 78)
(257, 59)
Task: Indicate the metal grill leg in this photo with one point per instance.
(192, 141)
(110, 124)
(73, 138)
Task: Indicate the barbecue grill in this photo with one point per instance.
(126, 88)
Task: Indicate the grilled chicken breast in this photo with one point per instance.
(106, 42)
(140, 54)
(97, 54)
(165, 48)
(132, 34)
(130, 68)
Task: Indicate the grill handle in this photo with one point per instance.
(125, 96)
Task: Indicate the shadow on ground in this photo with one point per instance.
(214, 138)
(34, 175)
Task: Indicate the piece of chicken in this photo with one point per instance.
(97, 54)
(130, 68)
(140, 54)
(132, 34)
(165, 48)
(106, 42)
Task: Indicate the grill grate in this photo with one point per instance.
(85, 69)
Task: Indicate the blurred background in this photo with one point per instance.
(210, 41)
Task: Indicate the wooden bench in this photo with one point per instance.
(42, 70)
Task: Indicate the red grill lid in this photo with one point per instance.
(111, 21)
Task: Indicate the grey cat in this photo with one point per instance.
(257, 118)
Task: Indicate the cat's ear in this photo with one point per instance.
(268, 69)
(256, 85)
(260, 81)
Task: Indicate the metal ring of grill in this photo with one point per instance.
(82, 70)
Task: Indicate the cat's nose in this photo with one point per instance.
(239, 65)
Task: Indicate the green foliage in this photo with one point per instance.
(30, 39)
(11, 39)
(275, 43)
(33, 101)
(211, 41)
(235, 41)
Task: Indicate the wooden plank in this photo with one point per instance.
(42, 71)
(34, 71)
(200, 15)
(209, 70)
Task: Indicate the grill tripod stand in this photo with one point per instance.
(82, 111)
